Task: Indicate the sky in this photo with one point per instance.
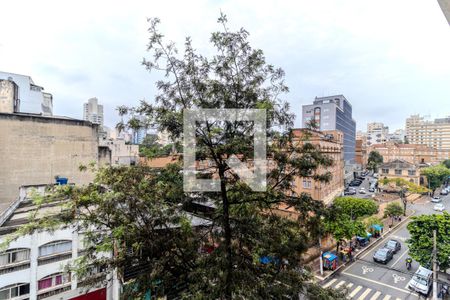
(390, 59)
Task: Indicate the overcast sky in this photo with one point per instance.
(390, 58)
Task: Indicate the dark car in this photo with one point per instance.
(350, 192)
(394, 245)
(383, 255)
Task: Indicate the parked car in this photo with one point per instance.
(444, 192)
(372, 189)
(394, 245)
(350, 191)
(362, 190)
(421, 281)
(383, 255)
(436, 199)
(439, 207)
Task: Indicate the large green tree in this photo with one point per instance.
(355, 207)
(135, 210)
(374, 160)
(393, 210)
(436, 176)
(421, 241)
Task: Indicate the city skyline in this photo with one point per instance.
(388, 70)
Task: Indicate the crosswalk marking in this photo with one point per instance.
(355, 291)
(376, 295)
(364, 295)
(329, 283)
(339, 284)
(387, 297)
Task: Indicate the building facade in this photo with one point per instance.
(411, 153)
(361, 154)
(27, 96)
(333, 113)
(377, 133)
(35, 149)
(330, 143)
(33, 266)
(434, 134)
(400, 169)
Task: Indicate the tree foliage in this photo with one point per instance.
(446, 163)
(421, 240)
(374, 160)
(355, 207)
(141, 214)
(436, 176)
(392, 210)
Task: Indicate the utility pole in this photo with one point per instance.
(434, 267)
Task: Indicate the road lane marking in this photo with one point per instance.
(387, 297)
(380, 283)
(364, 295)
(376, 295)
(339, 284)
(329, 283)
(398, 278)
(355, 291)
(399, 258)
(349, 285)
(366, 269)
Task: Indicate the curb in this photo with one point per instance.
(381, 238)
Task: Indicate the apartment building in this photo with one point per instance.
(33, 266)
(434, 134)
(330, 143)
(377, 133)
(361, 153)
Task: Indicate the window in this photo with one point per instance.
(385, 171)
(15, 290)
(53, 280)
(411, 172)
(55, 248)
(14, 256)
(398, 172)
(306, 183)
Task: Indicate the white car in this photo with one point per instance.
(439, 207)
(362, 190)
(436, 199)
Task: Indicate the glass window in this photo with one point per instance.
(55, 248)
(398, 172)
(53, 280)
(14, 256)
(15, 290)
(411, 172)
(385, 171)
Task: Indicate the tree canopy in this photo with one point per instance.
(142, 214)
(355, 207)
(436, 176)
(392, 210)
(421, 241)
(374, 160)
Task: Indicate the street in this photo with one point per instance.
(366, 279)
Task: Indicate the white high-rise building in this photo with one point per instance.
(93, 111)
(434, 134)
(377, 133)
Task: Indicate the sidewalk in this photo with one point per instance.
(315, 264)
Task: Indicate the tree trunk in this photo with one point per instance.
(227, 231)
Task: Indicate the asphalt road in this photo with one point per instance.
(366, 279)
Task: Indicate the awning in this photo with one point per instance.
(329, 256)
(377, 227)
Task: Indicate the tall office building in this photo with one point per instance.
(333, 113)
(93, 111)
(434, 134)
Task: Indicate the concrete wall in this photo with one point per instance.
(34, 149)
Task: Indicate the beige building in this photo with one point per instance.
(361, 153)
(34, 149)
(377, 133)
(329, 143)
(121, 153)
(434, 134)
(412, 153)
(400, 169)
